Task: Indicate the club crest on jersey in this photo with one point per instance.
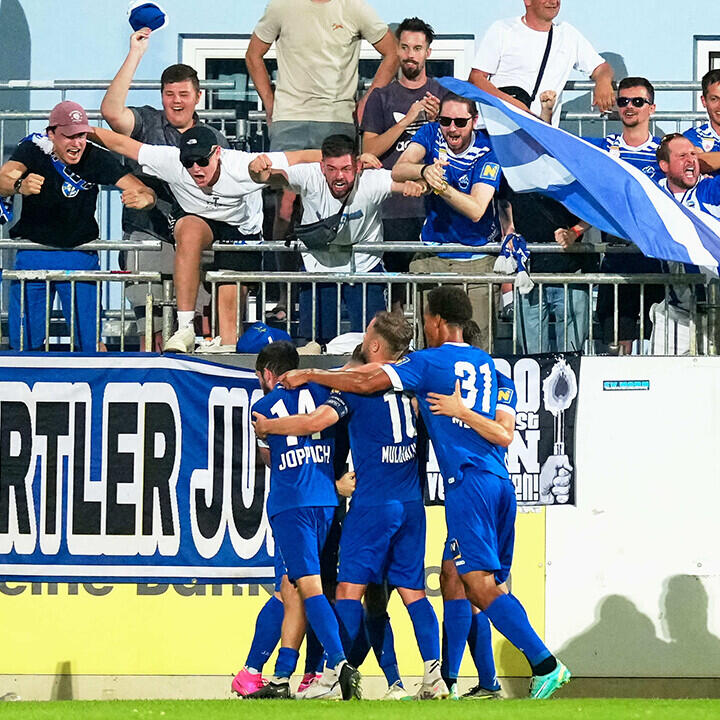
(490, 171)
(464, 182)
(708, 144)
(69, 190)
(402, 361)
(614, 152)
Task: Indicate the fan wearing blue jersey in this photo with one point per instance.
(463, 622)
(637, 146)
(683, 181)
(458, 164)
(301, 505)
(480, 504)
(383, 534)
(707, 136)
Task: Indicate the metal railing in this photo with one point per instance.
(702, 317)
(51, 277)
(415, 284)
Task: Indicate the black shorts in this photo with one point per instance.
(240, 261)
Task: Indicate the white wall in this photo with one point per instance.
(633, 571)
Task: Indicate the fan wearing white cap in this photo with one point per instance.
(58, 175)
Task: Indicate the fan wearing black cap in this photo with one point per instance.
(215, 200)
(180, 95)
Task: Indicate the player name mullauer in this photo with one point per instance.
(398, 453)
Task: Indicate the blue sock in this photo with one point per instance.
(383, 644)
(480, 644)
(322, 619)
(427, 630)
(267, 633)
(286, 662)
(509, 618)
(314, 653)
(350, 616)
(361, 647)
(457, 616)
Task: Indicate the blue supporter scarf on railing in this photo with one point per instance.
(6, 210)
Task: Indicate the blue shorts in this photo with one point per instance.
(384, 542)
(300, 535)
(34, 310)
(480, 515)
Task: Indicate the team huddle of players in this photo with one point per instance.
(467, 409)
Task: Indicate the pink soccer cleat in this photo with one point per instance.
(307, 681)
(245, 683)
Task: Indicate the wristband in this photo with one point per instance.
(18, 184)
(422, 172)
(577, 230)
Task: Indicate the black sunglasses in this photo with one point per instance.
(200, 162)
(637, 102)
(461, 122)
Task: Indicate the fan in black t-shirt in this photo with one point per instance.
(58, 176)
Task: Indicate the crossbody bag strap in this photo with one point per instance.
(543, 65)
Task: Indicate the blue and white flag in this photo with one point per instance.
(610, 194)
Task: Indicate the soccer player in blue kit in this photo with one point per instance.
(480, 503)
(301, 505)
(383, 534)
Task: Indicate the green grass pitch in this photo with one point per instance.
(575, 709)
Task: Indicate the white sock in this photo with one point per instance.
(185, 318)
(432, 669)
(252, 670)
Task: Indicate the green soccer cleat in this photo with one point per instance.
(543, 686)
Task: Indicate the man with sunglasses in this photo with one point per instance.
(215, 199)
(460, 168)
(707, 136)
(637, 146)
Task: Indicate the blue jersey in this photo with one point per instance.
(301, 468)
(705, 196)
(642, 157)
(704, 137)
(457, 446)
(383, 442)
(507, 402)
(477, 164)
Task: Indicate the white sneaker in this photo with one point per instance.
(396, 692)
(214, 346)
(326, 688)
(433, 686)
(183, 341)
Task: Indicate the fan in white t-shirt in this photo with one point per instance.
(323, 187)
(512, 50)
(217, 200)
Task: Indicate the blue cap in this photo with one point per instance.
(146, 15)
(257, 336)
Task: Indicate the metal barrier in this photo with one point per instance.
(48, 277)
(706, 322)
(415, 284)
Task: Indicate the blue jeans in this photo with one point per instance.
(326, 320)
(533, 325)
(34, 311)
